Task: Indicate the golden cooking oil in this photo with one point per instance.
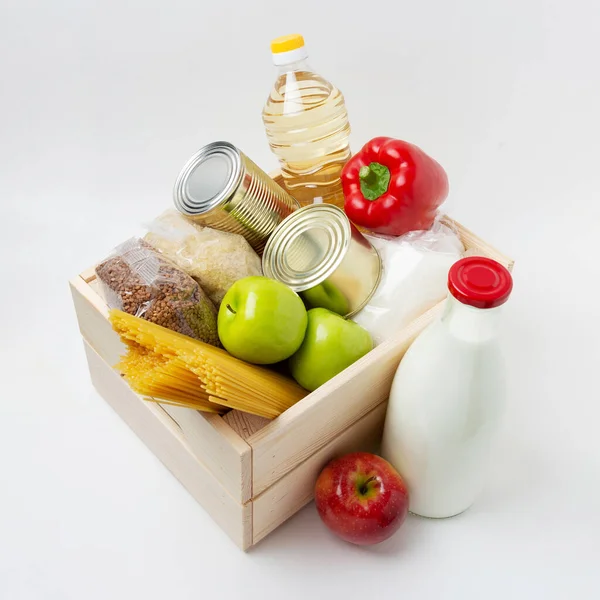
(307, 126)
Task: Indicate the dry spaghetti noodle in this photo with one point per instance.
(169, 367)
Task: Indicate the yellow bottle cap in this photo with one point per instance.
(286, 43)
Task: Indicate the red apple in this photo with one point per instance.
(361, 498)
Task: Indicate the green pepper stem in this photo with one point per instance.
(367, 175)
(374, 180)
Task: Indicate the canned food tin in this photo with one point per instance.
(222, 188)
(319, 254)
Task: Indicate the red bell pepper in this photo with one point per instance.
(393, 187)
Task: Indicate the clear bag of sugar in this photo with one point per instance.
(414, 278)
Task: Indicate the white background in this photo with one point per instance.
(101, 102)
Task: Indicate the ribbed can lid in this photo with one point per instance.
(307, 246)
(208, 179)
(480, 282)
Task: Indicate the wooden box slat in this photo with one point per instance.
(163, 437)
(310, 424)
(307, 426)
(212, 440)
(222, 450)
(294, 490)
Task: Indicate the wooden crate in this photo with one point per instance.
(251, 474)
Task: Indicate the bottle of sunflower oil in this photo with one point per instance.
(307, 126)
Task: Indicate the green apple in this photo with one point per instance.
(261, 320)
(326, 295)
(331, 344)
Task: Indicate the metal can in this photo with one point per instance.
(220, 187)
(319, 254)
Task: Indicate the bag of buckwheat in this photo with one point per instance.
(138, 280)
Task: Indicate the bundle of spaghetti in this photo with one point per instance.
(162, 379)
(225, 380)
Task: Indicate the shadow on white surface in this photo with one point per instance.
(304, 535)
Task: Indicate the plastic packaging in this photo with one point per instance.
(414, 278)
(138, 280)
(307, 126)
(215, 259)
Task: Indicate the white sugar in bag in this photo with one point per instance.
(414, 278)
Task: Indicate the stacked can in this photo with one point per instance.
(318, 253)
(220, 187)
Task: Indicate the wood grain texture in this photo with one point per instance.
(313, 422)
(294, 490)
(88, 275)
(245, 424)
(165, 440)
(92, 316)
(218, 447)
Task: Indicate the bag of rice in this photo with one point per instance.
(215, 259)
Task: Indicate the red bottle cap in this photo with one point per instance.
(480, 282)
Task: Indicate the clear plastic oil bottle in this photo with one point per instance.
(307, 126)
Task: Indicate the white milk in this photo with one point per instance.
(445, 402)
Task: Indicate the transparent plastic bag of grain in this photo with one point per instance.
(215, 259)
(414, 278)
(136, 279)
